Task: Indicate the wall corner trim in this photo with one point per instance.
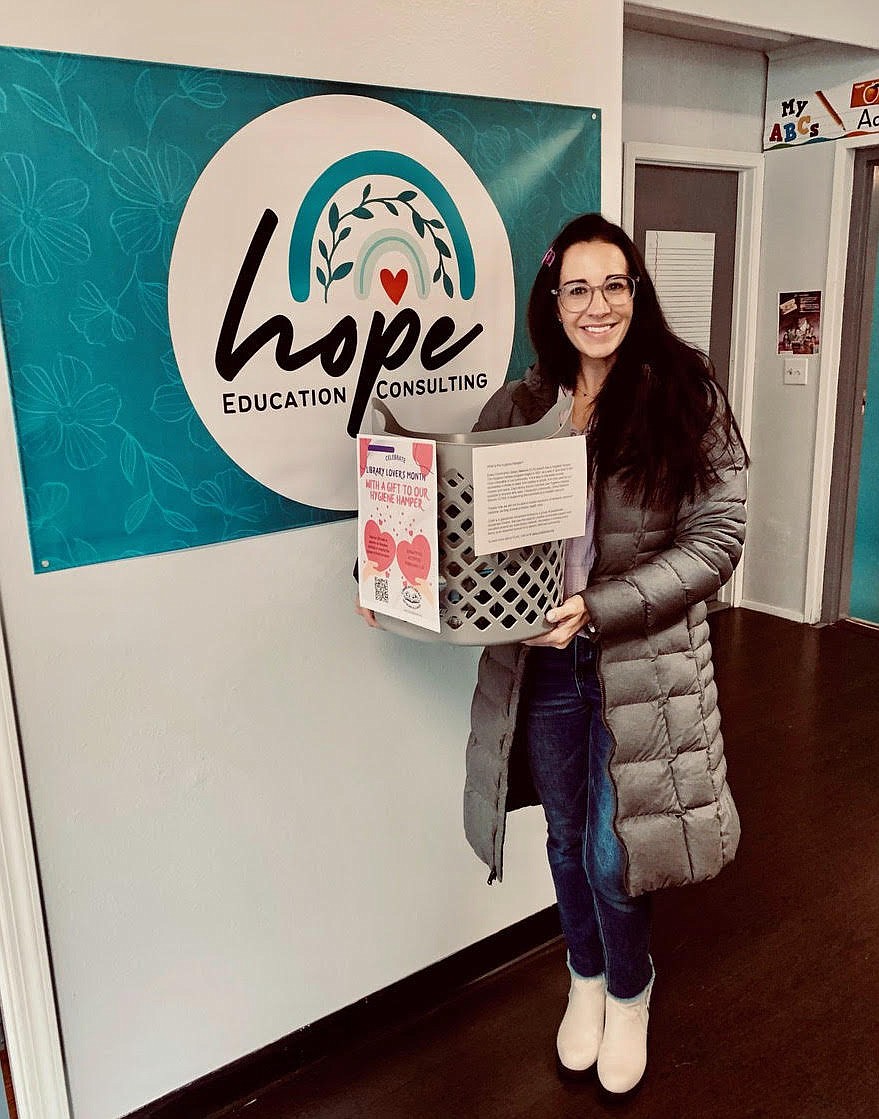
(29, 1014)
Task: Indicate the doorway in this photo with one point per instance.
(851, 578)
(731, 182)
(695, 200)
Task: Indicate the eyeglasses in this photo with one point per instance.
(576, 295)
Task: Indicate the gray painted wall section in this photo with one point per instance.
(797, 204)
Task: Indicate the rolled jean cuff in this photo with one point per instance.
(577, 975)
(640, 995)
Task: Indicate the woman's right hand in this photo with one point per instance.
(567, 620)
(370, 570)
(367, 615)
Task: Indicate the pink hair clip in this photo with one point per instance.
(548, 257)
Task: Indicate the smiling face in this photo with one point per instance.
(597, 332)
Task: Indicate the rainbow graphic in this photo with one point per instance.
(376, 246)
(444, 235)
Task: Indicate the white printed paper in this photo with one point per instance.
(528, 493)
(681, 266)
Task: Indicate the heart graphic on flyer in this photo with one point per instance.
(423, 455)
(413, 558)
(380, 546)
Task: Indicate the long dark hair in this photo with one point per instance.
(661, 419)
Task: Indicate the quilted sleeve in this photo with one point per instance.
(497, 412)
(708, 538)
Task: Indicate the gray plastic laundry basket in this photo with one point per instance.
(484, 600)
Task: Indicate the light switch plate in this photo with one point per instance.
(796, 370)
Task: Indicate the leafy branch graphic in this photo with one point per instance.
(152, 182)
(329, 272)
(81, 125)
(131, 453)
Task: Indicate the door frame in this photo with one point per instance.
(845, 150)
(27, 993)
(743, 339)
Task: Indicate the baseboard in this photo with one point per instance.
(778, 611)
(386, 1009)
(859, 625)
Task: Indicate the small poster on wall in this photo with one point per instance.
(397, 528)
(799, 322)
(681, 265)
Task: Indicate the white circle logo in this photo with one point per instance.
(334, 250)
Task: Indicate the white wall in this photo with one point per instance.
(507, 48)
(797, 198)
(247, 805)
(846, 21)
(691, 94)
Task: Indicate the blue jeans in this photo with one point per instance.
(569, 747)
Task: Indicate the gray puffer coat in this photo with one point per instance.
(646, 596)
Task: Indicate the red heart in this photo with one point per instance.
(423, 455)
(394, 285)
(413, 558)
(380, 546)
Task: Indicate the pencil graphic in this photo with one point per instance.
(830, 109)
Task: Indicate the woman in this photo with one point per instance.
(615, 708)
(609, 720)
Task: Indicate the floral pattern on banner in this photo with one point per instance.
(97, 159)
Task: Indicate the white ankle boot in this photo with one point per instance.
(622, 1057)
(579, 1035)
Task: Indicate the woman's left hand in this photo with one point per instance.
(567, 620)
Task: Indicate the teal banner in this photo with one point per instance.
(205, 276)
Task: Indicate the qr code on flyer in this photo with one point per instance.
(381, 590)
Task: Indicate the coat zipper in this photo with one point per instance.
(600, 678)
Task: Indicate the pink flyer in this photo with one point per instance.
(397, 528)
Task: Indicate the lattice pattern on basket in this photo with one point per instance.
(509, 589)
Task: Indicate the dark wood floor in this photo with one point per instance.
(767, 994)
